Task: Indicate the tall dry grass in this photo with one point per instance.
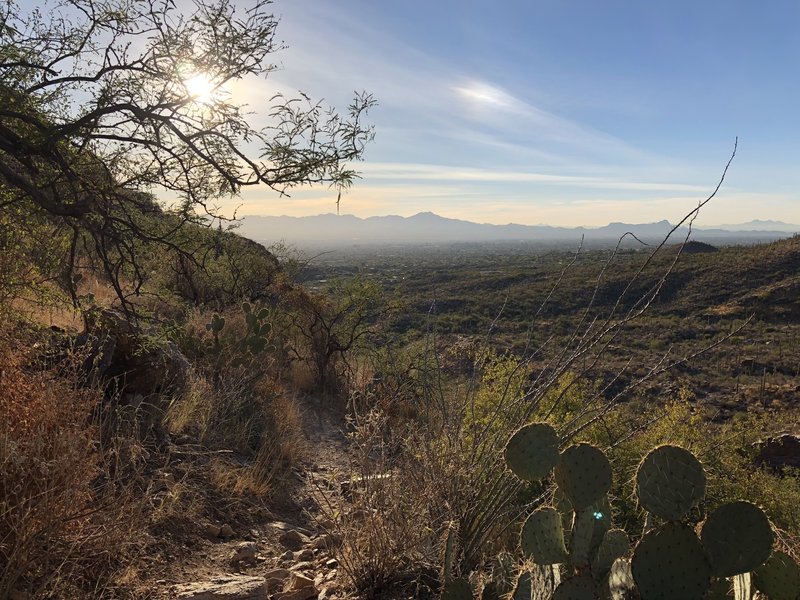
(238, 402)
(66, 517)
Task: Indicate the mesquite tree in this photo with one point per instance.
(109, 106)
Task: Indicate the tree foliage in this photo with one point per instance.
(98, 117)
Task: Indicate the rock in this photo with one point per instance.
(293, 539)
(326, 541)
(359, 485)
(119, 351)
(304, 555)
(328, 591)
(779, 452)
(282, 526)
(265, 514)
(302, 566)
(99, 352)
(288, 555)
(301, 594)
(245, 552)
(276, 578)
(226, 531)
(228, 587)
(298, 581)
(324, 593)
(332, 563)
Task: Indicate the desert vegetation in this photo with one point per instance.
(183, 409)
(128, 446)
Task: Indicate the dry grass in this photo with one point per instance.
(65, 518)
(383, 516)
(283, 443)
(257, 418)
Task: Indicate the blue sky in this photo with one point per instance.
(553, 111)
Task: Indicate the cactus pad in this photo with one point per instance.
(615, 545)
(456, 589)
(601, 513)
(575, 588)
(542, 537)
(583, 474)
(532, 451)
(490, 591)
(720, 589)
(523, 590)
(581, 539)
(737, 538)
(778, 578)
(669, 482)
(669, 564)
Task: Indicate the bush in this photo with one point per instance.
(61, 505)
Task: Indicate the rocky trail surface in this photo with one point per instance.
(285, 554)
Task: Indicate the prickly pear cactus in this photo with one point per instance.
(216, 324)
(737, 538)
(615, 544)
(457, 589)
(670, 481)
(542, 537)
(523, 589)
(778, 578)
(743, 587)
(490, 591)
(581, 540)
(584, 475)
(532, 451)
(669, 564)
(575, 588)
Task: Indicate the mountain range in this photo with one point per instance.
(428, 228)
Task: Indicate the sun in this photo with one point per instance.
(201, 88)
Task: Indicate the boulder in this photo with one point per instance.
(117, 350)
(779, 452)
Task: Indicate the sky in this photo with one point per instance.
(559, 112)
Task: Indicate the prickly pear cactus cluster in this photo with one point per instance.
(672, 562)
(255, 339)
(589, 559)
(215, 326)
(576, 531)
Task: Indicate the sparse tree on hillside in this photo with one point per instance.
(107, 104)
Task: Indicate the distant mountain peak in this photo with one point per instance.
(428, 227)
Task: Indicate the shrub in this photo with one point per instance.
(61, 505)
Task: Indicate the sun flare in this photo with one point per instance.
(201, 88)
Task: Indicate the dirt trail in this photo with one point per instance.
(288, 538)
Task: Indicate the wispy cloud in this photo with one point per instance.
(426, 172)
(481, 145)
